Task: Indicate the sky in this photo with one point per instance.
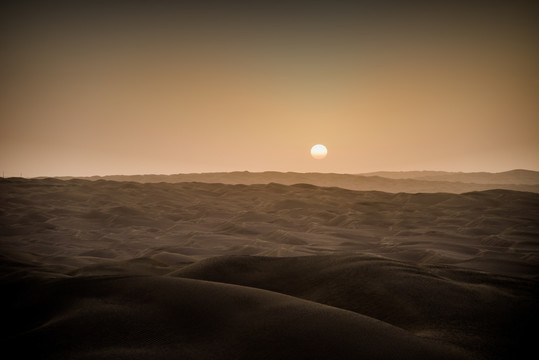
(162, 87)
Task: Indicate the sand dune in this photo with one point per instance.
(507, 177)
(439, 303)
(107, 269)
(187, 222)
(412, 181)
(163, 317)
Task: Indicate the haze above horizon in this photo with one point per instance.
(165, 88)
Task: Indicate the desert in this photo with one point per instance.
(274, 180)
(197, 270)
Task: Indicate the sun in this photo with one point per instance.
(319, 152)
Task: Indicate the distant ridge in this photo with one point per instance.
(519, 176)
(411, 182)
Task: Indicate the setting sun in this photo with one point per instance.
(319, 152)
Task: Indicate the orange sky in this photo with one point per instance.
(156, 88)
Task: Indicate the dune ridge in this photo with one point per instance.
(181, 318)
(518, 176)
(491, 231)
(394, 292)
(109, 269)
(408, 181)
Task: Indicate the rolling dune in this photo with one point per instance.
(163, 317)
(406, 181)
(108, 269)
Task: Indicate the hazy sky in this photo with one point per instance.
(106, 87)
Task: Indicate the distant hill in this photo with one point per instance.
(522, 177)
(411, 182)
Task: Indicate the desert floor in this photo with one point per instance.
(190, 270)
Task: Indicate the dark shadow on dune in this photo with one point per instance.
(437, 302)
(164, 317)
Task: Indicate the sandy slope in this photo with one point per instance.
(98, 269)
(436, 302)
(163, 317)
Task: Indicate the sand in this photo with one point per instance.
(405, 181)
(126, 270)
